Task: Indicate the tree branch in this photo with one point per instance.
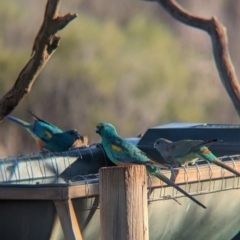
(46, 42)
(219, 40)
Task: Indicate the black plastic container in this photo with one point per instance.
(228, 134)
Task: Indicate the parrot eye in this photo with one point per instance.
(73, 132)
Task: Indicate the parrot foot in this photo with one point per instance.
(45, 152)
(173, 198)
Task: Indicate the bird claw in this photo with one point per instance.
(173, 198)
(44, 150)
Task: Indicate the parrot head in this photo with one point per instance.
(105, 129)
(161, 144)
(73, 134)
(60, 142)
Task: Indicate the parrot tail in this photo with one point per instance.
(225, 166)
(28, 127)
(205, 143)
(162, 177)
(19, 121)
(39, 119)
(206, 154)
(210, 142)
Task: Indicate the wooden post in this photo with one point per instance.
(123, 203)
(68, 219)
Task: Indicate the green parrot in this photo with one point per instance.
(121, 152)
(47, 135)
(185, 151)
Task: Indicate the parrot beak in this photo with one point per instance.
(154, 145)
(77, 134)
(97, 130)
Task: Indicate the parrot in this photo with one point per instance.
(121, 152)
(185, 151)
(47, 135)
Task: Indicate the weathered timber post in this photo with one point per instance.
(123, 203)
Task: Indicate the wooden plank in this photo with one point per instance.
(31, 193)
(79, 191)
(196, 174)
(48, 193)
(68, 219)
(191, 175)
(123, 203)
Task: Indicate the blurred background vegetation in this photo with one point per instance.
(124, 62)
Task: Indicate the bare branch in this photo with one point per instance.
(46, 42)
(219, 45)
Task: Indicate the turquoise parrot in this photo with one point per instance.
(185, 151)
(121, 152)
(47, 135)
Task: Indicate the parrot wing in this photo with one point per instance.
(205, 143)
(60, 142)
(44, 130)
(41, 120)
(125, 152)
(181, 148)
(41, 126)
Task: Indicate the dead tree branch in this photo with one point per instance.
(46, 42)
(219, 40)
